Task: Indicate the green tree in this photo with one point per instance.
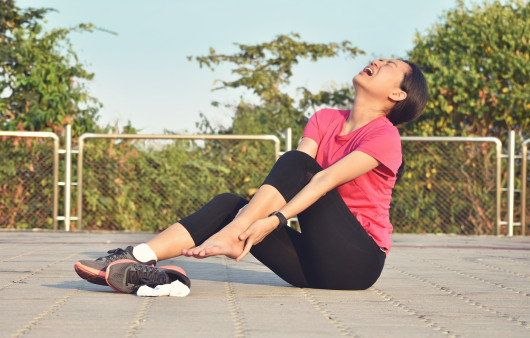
(476, 61)
(477, 65)
(265, 70)
(41, 79)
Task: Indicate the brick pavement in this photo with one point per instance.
(432, 286)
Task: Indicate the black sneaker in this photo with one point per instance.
(94, 270)
(126, 276)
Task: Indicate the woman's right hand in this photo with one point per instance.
(256, 232)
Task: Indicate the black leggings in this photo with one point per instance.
(332, 251)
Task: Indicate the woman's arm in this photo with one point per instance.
(350, 167)
(308, 146)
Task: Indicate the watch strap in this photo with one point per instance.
(281, 217)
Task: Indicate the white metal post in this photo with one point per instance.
(288, 139)
(524, 156)
(67, 175)
(511, 180)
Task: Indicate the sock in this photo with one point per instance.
(144, 253)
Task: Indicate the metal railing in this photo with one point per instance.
(112, 201)
(472, 160)
(449, 188)
(55, 171)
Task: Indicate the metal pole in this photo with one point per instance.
(55, 182)
(67, 175)
(79, 215)
(511, 180)
(524, 153)
(498, 188)
(288, 139)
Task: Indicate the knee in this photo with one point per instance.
(295, 160)
(228, 200)
(296, 157)
(296, 154)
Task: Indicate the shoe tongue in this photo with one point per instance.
(114, 254)
(146, 275)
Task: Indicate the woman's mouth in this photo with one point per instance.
(368, 70)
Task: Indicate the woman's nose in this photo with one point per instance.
(377, 62)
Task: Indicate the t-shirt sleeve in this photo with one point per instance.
(312, 128)
(385, 146)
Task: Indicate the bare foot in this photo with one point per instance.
(221, 243)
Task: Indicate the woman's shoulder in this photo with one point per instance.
(332, 111)
(382, 128)
(383, 124)
(329, 114)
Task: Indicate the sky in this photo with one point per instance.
(142, 73)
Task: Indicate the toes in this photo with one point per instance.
(192, 252)
(215, 250)
(203, 251)
(197, 252)
(208, 251)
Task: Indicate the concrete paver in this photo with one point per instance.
(457, 286)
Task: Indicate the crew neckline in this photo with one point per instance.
(350, 134)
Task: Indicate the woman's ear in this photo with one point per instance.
(398, 95)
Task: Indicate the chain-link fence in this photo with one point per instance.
(148, 184)
(450, 186)
(137, 182)
(28, 180)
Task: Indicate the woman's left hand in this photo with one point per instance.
(256, 232)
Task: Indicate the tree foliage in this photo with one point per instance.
(476, 61)
(477, 64)
(41, 79)
(265, 69)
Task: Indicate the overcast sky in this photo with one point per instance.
(142, 74)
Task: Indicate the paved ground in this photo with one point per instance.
(431, 286)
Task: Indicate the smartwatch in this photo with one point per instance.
(281, 217)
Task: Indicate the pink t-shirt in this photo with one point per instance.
(368, 196)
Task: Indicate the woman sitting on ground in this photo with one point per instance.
(338, 182)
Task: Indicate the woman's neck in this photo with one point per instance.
(360, 115)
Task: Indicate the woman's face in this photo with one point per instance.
(382, 77)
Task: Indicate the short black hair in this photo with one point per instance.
(415, 85)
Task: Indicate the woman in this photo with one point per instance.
(339, 182)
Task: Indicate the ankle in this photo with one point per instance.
(239, 224)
